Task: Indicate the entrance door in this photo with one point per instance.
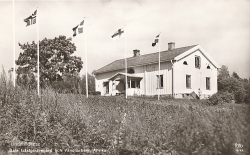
(106, 87)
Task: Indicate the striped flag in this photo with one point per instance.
(156, 40)
(78, 29)
(31, 19)
(117, 34)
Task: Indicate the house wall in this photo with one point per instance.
(150, 79)
(198, 76)
(148, 84)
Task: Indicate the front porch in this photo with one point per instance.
(115, 85)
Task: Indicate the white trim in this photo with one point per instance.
(198, 47)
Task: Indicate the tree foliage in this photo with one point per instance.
(91, 83)
(56, 61)
(235, 75)
(233, 84)
(223, 72)
(75, 84)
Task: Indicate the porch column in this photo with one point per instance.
(110, 87)
(130, 83)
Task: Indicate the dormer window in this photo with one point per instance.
(185, 63)
(131, 71)
(197, 62)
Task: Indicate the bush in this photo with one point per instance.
(221, 97)
(240, 95)
(94, 93)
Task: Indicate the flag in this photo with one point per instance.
(31, 19)
(78, 29)
(156, 40)
(117, 33)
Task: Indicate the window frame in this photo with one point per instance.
(133, 84)
(131, 71)
(197, 62)
(136, 84)
(208, 83)
(160, 81)
(188, 81)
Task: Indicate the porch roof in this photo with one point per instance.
(121, 76)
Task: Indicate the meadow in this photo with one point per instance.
(73, 124)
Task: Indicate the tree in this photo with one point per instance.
(231, 84)
(223, 72)
(235, 75)
(223, 75)
(56, 61)
(91, 83)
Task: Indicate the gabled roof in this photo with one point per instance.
(147, 59)
(143, 59)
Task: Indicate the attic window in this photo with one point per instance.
(208, 67)
(185, 63)
(131, 71)
(197, 62)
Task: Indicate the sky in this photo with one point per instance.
(221, 27)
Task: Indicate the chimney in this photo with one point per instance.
(171, 46)
(136, 53)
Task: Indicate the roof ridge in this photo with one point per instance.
(157, 52)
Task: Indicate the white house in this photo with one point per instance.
(182, 71)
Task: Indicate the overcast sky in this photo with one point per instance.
(221, 27)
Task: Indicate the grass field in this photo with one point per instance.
(69, 123)
(138, 125)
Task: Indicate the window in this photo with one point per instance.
(132, 84)
(208, 67)
(208, 83)
(185, 63)
(159, 81)
(131, 71)
(188, 81)
(197, 62)
(138, 84)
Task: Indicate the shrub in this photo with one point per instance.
(221, 97)
(240, 95)
(95, 93)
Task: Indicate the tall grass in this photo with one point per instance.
(119, 126)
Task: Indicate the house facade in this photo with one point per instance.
(182, 71)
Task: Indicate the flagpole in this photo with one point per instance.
(14, 48)
(87, 93)
(38, 70)
(126, 77)
(159, 67)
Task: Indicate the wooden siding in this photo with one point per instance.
(151, 82)
(148, 84)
